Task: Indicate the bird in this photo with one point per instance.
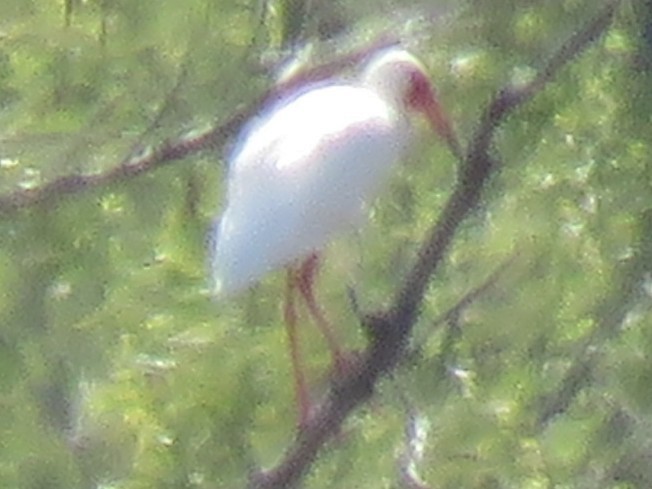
(306, 170)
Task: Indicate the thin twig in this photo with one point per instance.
(474, 294)
(451, 316)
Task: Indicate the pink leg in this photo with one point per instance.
(300, 386)
(305, 281)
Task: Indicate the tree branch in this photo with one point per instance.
(389, 329)
(152, 158)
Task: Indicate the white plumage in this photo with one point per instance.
(306, 168)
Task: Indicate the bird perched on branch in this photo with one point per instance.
(305, 170)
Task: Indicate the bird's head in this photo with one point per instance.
(402, 80)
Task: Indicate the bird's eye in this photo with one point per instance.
(418, 88)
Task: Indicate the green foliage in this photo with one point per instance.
(117, 370)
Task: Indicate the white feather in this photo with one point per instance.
(305, 170)
(301, 177)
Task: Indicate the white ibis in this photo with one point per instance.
(304, 172)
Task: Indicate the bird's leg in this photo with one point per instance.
(305, 281)
(290, 314)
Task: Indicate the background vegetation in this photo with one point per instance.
(117, 370)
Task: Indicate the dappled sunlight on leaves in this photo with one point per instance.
(117, 368)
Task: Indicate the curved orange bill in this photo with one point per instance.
(441, 123)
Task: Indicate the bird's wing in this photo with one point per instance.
(301, 177)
